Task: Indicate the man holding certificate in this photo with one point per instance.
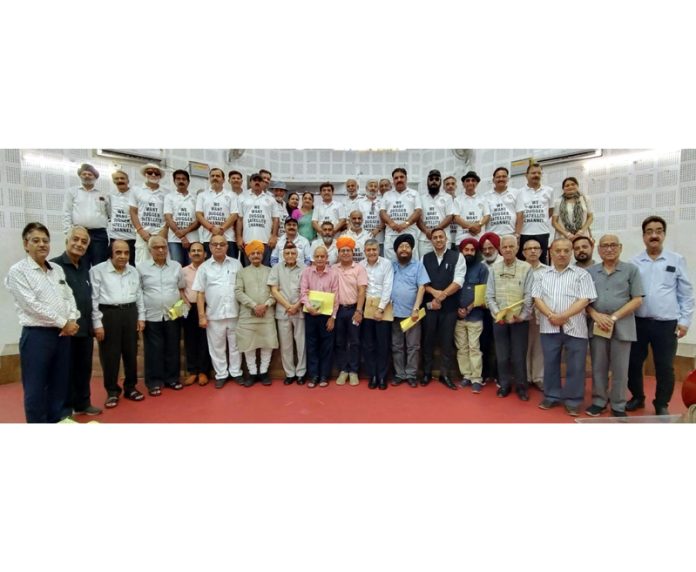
(318, 289)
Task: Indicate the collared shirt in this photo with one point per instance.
(332, 250)
(217, 281)
(150, 205)
(614, 291)
(332, 211)
(380, 280)
(303, 252)
(459, 269)
(189, 272)
(669, 294)
(435, 209)
(350, 205)
(78, 280)
(349, 279)
(257, 212)
(559, 291)
(407, 279)
(112, 287)
(503, 210)
(85, 208)
(287, 279)
(42, 299)
(371, 219)
(217, 208)
(359, 238)
(120, 224)
(160, 286)
(183, 210)
(535, 204)
(472, 209)
(514, 273)
(324, 281)
(400, 206)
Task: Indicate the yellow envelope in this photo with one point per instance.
(371, 305)
(323, 301)
(508, 312)
(479, 295)
(408, 323)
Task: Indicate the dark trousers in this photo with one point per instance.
(438, 328)
(660, 334)
(347, 340)
(319, 346)
(162, 354)
(120, 341)
(266, 261)
(486, 341)
(98, 249)
(575, 353)
(131, 250)
(375, 345)
(542, 239)
(179, 253)
(196, 344)
(78, 394)
(44, 357)
(511, 352)
(232, 249)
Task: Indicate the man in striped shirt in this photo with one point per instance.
(561, 294)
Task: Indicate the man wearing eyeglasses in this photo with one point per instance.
(662, 319)
(613, 327)
(147, 211)
(535, 356)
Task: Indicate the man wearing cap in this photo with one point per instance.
(352, 284)
(292, 235)
(534, 211)
(218, 310)
(163, 286)
(328, 209)
(258, 219)
(217, 211)
(510, 283)
(279, 189)
(284, 281)
(352, 200)
(358, 234)
(467, 332)
(410, 278)
(446, 269)
(120, 224)
(319, 328)
(147, 210)
(88, 207)
(471, 210)
(490, 250)
(437, 213)
(180, 216)
(370, 207)
(326, 239)
(256, 328)
(535, 355)
(400, 210)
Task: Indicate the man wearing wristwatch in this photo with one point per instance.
(619, 294)
(400, 209)
(147, 210)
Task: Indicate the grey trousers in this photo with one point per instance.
(405, 350)
(609, 355)
(292, 329)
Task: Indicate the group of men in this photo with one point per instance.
(439, 276)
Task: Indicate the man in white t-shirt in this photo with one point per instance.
(534, 211)
(279, 189)
(370, 207)
(328, 209)
(438, 210)
(180, 216)
(327, 240)
(120, 224)
(358, 234)
(257, 220)
(502, 204)
(235, 178)
(471, 210)
(352, 200)
(400, 210)
(449, 184)
(147, 210)
(217, 210)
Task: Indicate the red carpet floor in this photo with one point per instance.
(298, 404)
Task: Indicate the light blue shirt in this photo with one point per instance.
(669, 294)
(407, 280)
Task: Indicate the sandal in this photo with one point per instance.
(312, 383)
(177, 386)
(111, 401)
(155, 392)
(134, 395)
(323, 383)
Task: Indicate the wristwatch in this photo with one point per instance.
(614, 318)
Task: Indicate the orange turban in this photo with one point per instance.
(345, 242)
(253, 246)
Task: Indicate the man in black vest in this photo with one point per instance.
(446, 269)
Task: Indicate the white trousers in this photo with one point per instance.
(251, 362)
(222, 341)
(289, 330)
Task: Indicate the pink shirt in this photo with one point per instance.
(189, 273)
(326, 281)
(349, 278)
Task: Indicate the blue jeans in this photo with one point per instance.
(576, 351)
(98, 249)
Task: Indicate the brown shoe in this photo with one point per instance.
(202, 379)
(190, 380)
